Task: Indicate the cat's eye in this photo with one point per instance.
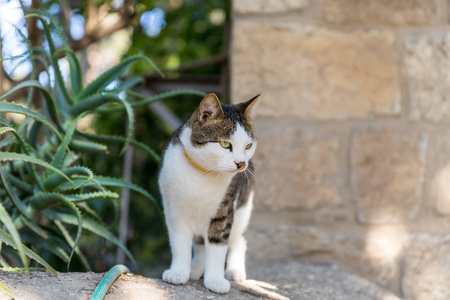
(225, 144)
(248, 146)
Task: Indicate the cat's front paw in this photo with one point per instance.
(218, 285)
(235, 275)
(175, 277)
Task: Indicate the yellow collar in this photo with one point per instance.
(192, 162)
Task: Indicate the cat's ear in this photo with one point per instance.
(246, 108)
(209, 108)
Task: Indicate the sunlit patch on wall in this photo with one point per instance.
(441, 190)
(384, 244)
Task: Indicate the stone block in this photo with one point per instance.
(267, 6)
(366, 256)
(427, 74)
(296, 168)
(394, 12)
(387, 173)
(281, 242)
(427, 268)
(440, 191)
(315, 73)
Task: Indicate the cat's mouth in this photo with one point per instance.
(239, 170)
(241, 166)
(234, 171)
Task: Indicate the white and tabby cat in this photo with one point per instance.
(206, 181)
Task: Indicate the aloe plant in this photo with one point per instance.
(44, 184)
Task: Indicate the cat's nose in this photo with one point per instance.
(240, 164)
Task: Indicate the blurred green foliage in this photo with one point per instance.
(46, 186)
(195, 29)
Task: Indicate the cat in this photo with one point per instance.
(206, 181)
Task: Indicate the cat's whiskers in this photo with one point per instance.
(212, 172)
(212, 176)
(250, 172)
(247, 175)
(222, 166)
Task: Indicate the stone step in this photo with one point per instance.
(291, 280)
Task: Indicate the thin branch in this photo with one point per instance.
(164, 85)
(2, 71)
(163, 112)
(91, 22)
(33, 30)
(98, 35)
(66, 12)
(125, 205)
(197, 64)
(93, 33)
(225, 69)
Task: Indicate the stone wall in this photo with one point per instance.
(353, 164)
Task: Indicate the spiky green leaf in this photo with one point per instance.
(33, 227)
(120, 139)
(30, 95)
(85, 208)
(25, 148)
(12, 107)
(22, 185)
(109, 182)
(6, 129)
(112, 74)
(76, 79)
(91, 225)
(47, 96)
(129, 83)
(54, 55)
(49, 244)
(92, 196)
(25, 54)
(71, 243)
(12, 194)
(6, 219)
(43, 201)
(158, 97)
(60, 153)
(10, 156)
(8, 240)
(5, 290)
(56, 179)
(8, 141)
(85, 147)
(97, 100)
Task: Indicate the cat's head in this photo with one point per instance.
(222, 137)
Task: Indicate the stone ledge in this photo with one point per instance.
(280, 281)
(268, 6)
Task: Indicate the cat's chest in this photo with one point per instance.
(189, 186)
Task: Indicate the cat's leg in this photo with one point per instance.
(180, 237)
(198, 261)
(238, 246)
(214, 268)
(217, 245)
